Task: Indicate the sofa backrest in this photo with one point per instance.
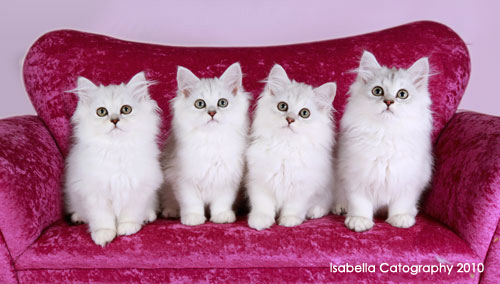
(54, 62)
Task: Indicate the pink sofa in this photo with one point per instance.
(458, 223)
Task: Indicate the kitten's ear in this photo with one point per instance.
(419, 73)
(368, 66)
(324, 95)
(186, 80)
(84, 84)
(277, 79)
(83, 88)
(138, 85)
(232, 78)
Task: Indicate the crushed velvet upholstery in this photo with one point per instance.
(31, 167)
(457, 223)
(7, 272)
(467, 179)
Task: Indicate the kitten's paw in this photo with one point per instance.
(75, 218)
(193, 219)
(150, 216)
(339, 209)
(224, 217)
(260, 221)
(103, 236)
(358, 224)
(128, 228)
(401, 220)
(317, 212)
(290, 221)
(170, 213)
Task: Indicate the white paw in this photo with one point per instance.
(339, 209)
(128, 228)
(223, 217)
(170, 213)
(193, 219)
(150, 216)
(317, 212)
(401, 220)
(103, 236)
(358, 224)
(290, 221)
(75, 218)
(260, 221)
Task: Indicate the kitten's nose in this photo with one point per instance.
(115, 120)
(388, 102)
(212, 113)
(290, 120)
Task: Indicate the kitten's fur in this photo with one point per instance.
(290, 164)
(113, 172)
(204, 156)
(384, 152)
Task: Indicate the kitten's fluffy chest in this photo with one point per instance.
(207, 157)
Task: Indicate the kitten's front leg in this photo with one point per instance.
(293, 212)
(133, 213)
(221, 208)
(102, 222)
(359, 212)
(262, 206)
(192, 208)
(402, 211)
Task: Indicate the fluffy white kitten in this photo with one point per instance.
(113, 170)
(204, 155)
(384, 148)
(290, 154)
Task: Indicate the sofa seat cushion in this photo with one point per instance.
(167, 244)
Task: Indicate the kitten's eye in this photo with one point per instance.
(102, 111)
(304, 113)
(378, 91)
(199, 103)
(402, 94)
(126, 109)
(282, 106)
(222, 103)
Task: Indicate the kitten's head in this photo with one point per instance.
(291, 107)
(387, 93)
(210, 102)
(115, 110)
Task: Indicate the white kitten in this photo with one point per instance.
(290, 154)
(384, 148)
(113, 170)
(204, 155)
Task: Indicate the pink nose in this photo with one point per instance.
(388, 102)
(115, 121)
(290, 120)
(212, 113)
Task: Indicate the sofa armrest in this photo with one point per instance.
(31, 168)
(465, 193)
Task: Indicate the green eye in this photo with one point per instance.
(126, 109)
(282, 106)
(222, 103)
(378, 91)
(102, 111)
(402, 94)
(304, 113)
(199, 103)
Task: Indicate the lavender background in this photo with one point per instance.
(246, 23)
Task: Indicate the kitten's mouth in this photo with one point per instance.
(211, 121)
